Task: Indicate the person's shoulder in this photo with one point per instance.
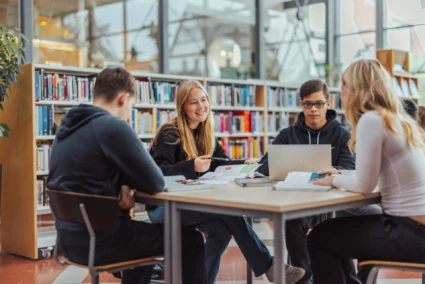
(169, 133)
(371, 117)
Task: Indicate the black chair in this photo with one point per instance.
(404, 266)
(84, 209)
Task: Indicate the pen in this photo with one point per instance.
(220, 159)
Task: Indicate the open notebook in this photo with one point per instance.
(180, 183)
(230, 172)
(301, 181)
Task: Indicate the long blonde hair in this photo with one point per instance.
(203, 141)
(368, 87)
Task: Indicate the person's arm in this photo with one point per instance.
(122, 146)
(281, 139)
(346, 160)
(219, 152)
(370, 138)
(163, 153)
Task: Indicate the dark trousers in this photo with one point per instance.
(334, 244)
(296, 237)
(134, 240)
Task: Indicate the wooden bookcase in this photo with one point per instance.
(389, 58)
(22, 234)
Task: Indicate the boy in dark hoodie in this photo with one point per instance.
(316, 124)
(97, 152)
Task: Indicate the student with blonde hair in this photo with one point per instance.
(184, 146)
(390, 155)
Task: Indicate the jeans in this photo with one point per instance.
(334, 244)
(296, 237)
(133, 240)
(218, 230)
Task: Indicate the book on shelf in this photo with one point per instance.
(276, 121)
(301, 181)
(44, 120)
(414, 89)
(63, 87)
(42, 197)
(149, 121)
(156, 92)
(247, 148)
(43, 157)
(231, 95)
(180, 183)
(238, 121)
(282, 97)
(231, 172)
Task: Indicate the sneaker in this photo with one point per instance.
(292, 275)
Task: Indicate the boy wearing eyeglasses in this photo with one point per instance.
(316, 124)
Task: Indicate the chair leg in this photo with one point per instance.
(373, 275)
(95, 279)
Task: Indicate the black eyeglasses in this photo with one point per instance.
(318, 105)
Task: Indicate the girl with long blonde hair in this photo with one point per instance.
(389, 155)
(184, 146)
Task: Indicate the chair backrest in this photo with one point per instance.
(103, 211)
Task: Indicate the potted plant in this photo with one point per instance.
(333, 73)
(12, 51)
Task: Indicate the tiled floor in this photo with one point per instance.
(15, 270)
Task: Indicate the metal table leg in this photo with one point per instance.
(279, 248)
(249, 277)
(167, 242)
(176, 244)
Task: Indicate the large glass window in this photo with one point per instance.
(9, 13)
(213, 38)
(405, 30)
(97, 33)
(295, 42)
(357, 38)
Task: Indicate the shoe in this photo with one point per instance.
(157, 273)
(292, 275)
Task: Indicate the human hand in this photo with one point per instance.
(126, 197)
(202, 163)
(250, 162)
(327, 181)
(331, 171)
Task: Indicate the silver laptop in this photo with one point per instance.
(301, 158)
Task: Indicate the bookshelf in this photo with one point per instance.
(241, 113)
(397, 64)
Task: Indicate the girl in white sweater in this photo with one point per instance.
(389, 155)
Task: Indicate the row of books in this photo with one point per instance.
(225, 95)
(282, 97)
(62, 87)
(249, 148)
(238, 121)
(276, 121)
(41, 193)
(43, 157)
(147, 122)
(156, 92)
(406, 88)
(44, 120)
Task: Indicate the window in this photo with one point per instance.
(295, 48)
(357, 38)
(9, 14)
(405, 30)
(211, 38)
(97, 33)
